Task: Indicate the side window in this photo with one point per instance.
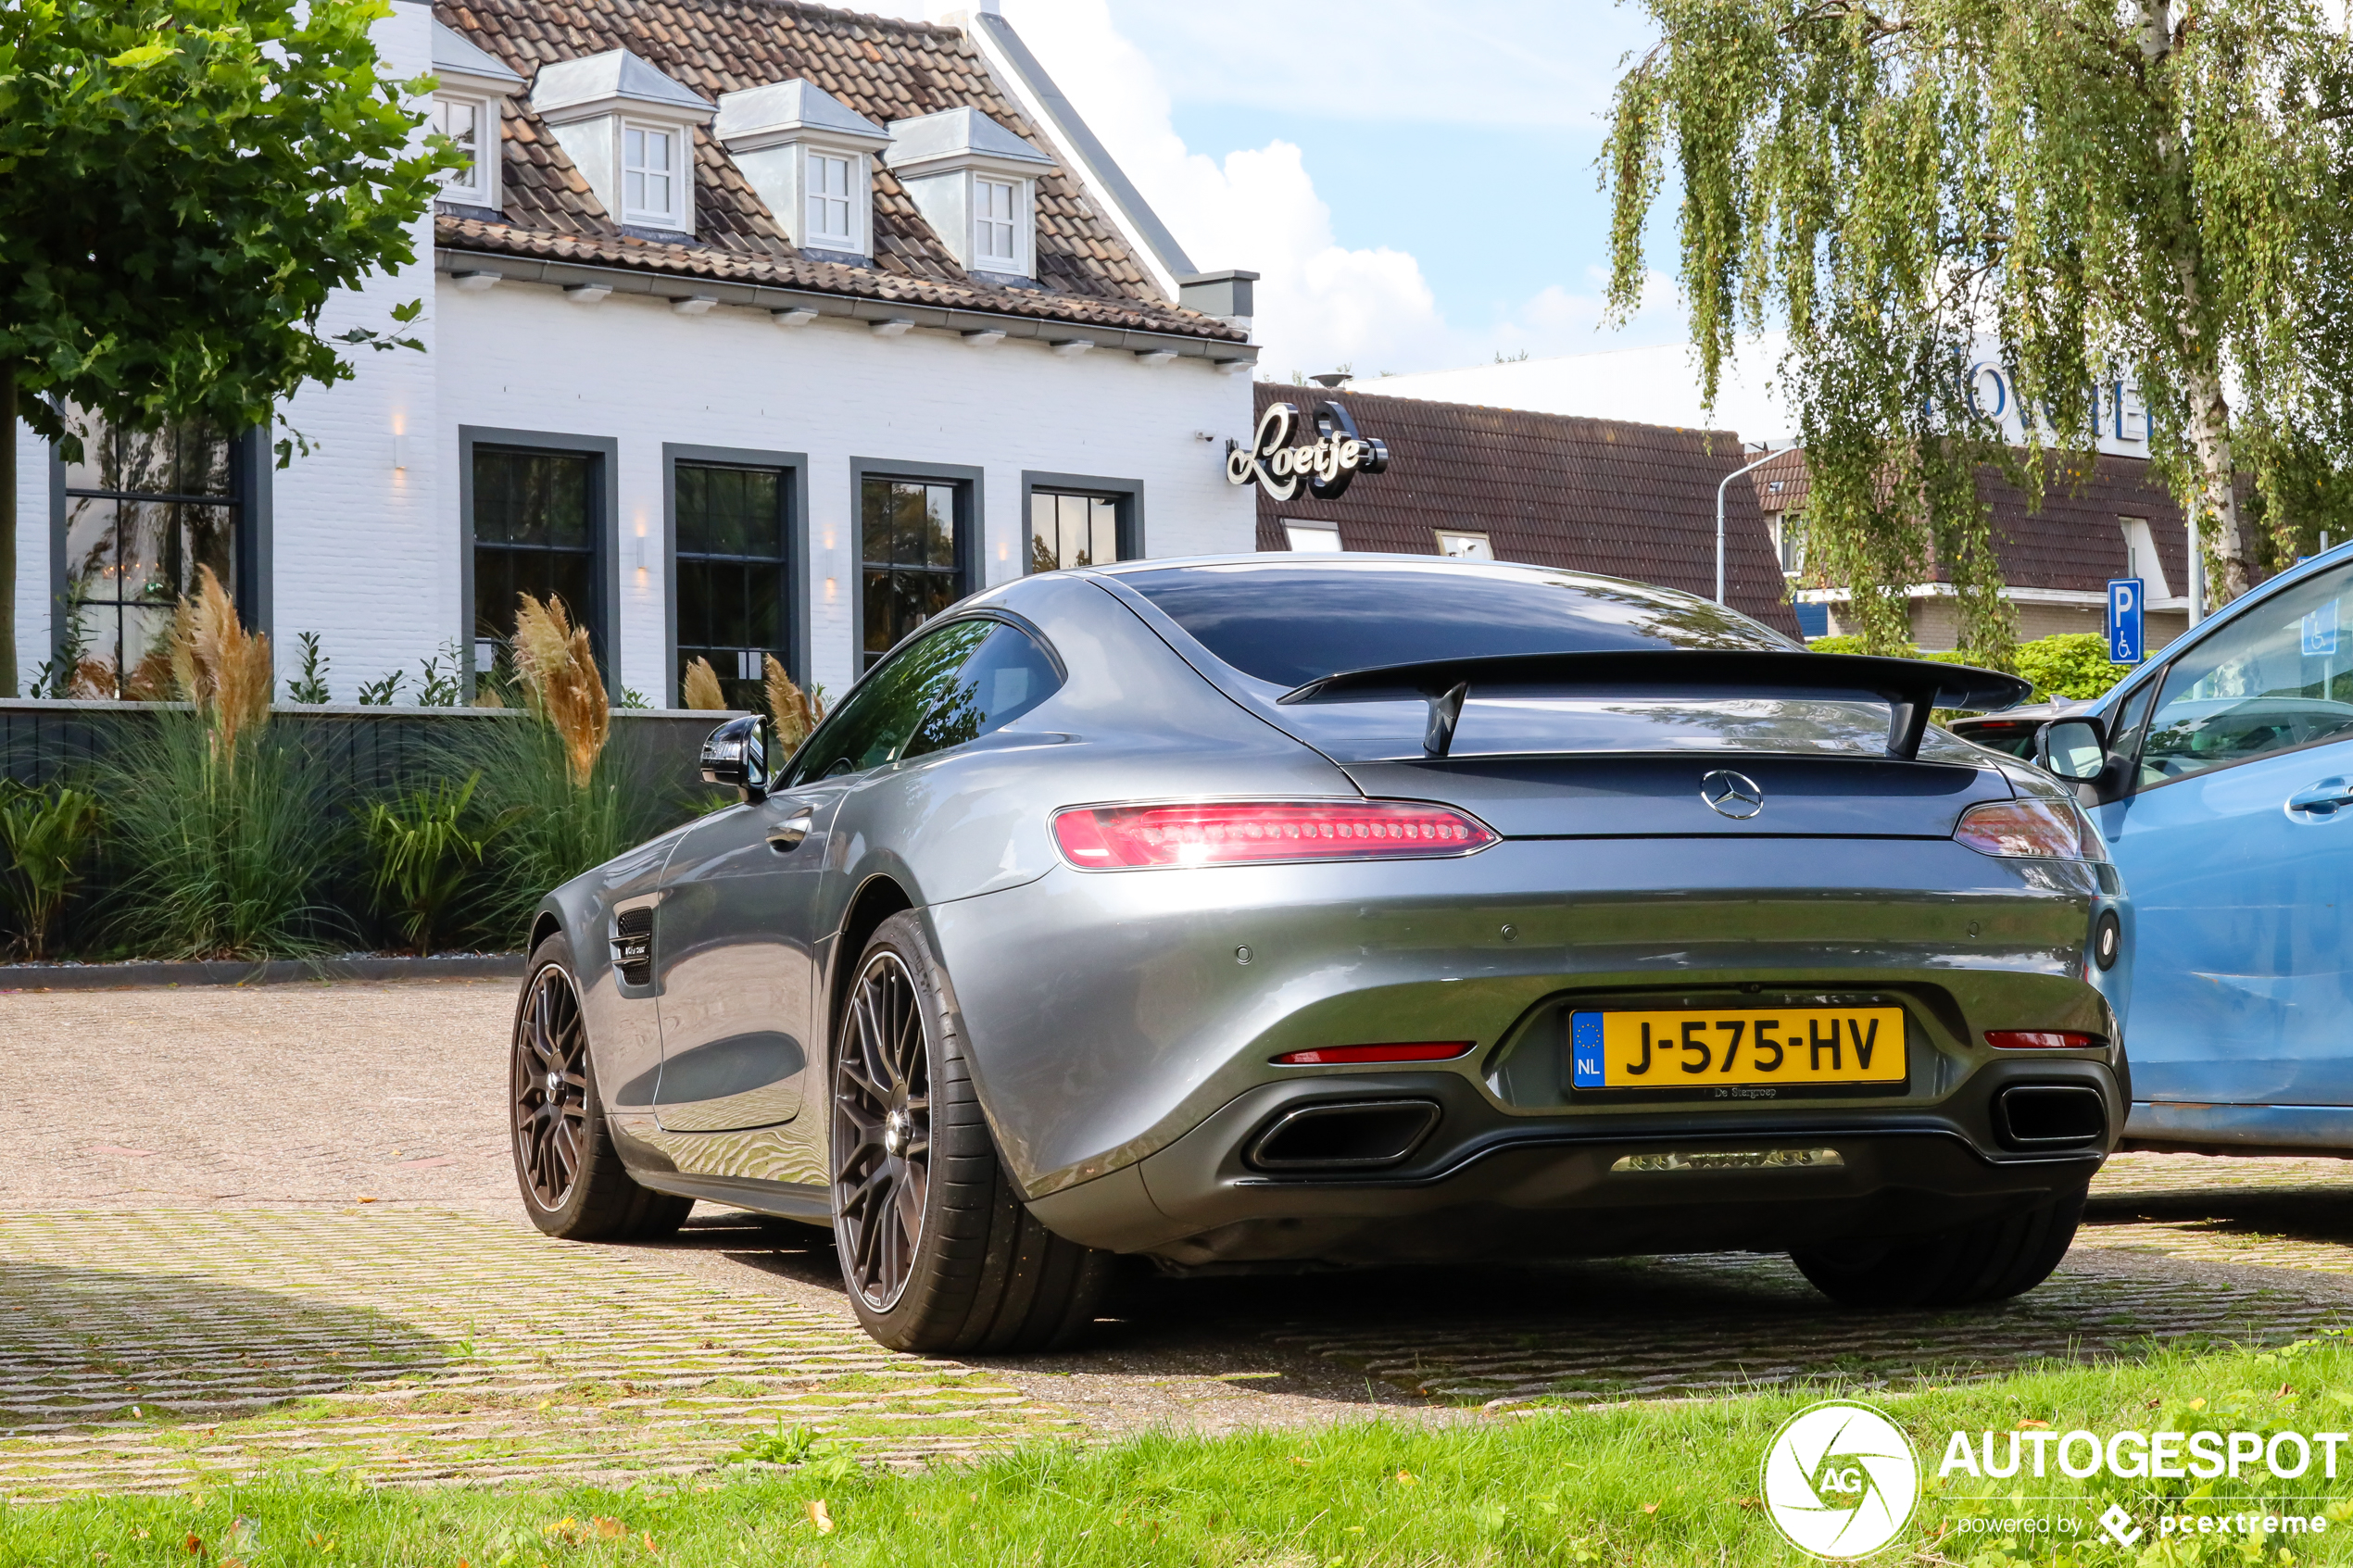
(1008, 676)
(871, 725)
(2275, 679)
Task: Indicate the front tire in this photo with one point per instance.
(938, 1252)
(1989, 1260)
(573, 1184)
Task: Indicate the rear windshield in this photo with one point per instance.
(1290, 623)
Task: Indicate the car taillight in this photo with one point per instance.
(1231, 833)
(2050, 829)
(1417, 1051)
(2044, 1040)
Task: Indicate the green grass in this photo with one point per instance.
(1668, 1485)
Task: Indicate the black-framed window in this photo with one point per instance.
(1073, 528)
(913, 549)
(136, 520)
(537, 529)
(732, 546)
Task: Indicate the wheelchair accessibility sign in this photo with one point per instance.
(2124, 599)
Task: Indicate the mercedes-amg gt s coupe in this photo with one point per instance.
(1277, 911)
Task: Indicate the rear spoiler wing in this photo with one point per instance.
(1911, 687)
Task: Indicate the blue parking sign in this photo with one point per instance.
(2320, 630)
(2124, 644)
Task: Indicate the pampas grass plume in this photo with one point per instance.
(790, 707)
(702, 689)
(559, 671)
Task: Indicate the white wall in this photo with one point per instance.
(522, 357)
(358, 553)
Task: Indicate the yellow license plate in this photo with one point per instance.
(1737, 1046)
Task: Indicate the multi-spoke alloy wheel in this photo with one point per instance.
(882, 1132)
(550, 1089)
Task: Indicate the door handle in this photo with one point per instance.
(785, 836)
(2322, 799)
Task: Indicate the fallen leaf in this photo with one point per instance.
(1650, 1507)
(2197, 1404)
(196, 1544)
(610, 1529)
(1406, 1478)
(2030, 1425)
(2285, 1392)
(819, 1517)
(364, 1197)
(1300, 1459)
(1749, 1503)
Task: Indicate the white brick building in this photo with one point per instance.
(770, 328)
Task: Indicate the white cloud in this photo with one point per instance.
(1321, 304)
(1455, 62)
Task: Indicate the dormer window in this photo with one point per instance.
(828, 185)
(975, 183)
(463, 119)
(810, 157)
(469, 85)
(994, 204)
(630, 131)
(650, 175)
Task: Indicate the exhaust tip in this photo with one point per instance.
(1356, 1135)
(2050, 1116)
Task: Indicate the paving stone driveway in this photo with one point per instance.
(241, 1230)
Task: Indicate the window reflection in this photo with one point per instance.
(144, 511)
(910, 560)
(1067, 529)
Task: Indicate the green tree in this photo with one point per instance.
(2156, 188)
(183, 184)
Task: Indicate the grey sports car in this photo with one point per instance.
(1263, 912)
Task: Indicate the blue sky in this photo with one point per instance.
(1415, 179)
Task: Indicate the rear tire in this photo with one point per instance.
(573, 1184)
(938, 1252)
(1989, 1260)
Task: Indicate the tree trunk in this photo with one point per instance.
(2216, 508)
(8, 528)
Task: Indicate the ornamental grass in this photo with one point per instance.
(701, 688)
(557, 669)
(794, 711)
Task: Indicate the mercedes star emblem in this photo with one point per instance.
(1732, 795)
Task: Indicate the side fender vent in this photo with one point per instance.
(1358, 1136)
(632, 946)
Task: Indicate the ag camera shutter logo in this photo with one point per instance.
(1841, 1480)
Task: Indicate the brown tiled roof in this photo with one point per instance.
(884, 69)
(1603, 496)
(2074, 541)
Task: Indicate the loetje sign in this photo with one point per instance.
(1282, 460)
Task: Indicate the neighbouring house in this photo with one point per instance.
(752, 328)
(1601, 495)
(2113, 519)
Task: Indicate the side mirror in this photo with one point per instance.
(737, 755)
(2073, 749)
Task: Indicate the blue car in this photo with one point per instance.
(2222, 776)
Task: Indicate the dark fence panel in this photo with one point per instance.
(371, 749)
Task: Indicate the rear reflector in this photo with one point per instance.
(1228, 833)
(2050, 829)
(1422, 1050)
(2044, 1040)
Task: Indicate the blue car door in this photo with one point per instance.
(2235, 843)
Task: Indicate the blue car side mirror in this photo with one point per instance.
(2073, 749)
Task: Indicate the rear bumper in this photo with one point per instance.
(1485, 1183)
(1109, 1015)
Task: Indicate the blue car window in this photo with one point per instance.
(875, 721)
(1005, 678)
(2277, 678)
